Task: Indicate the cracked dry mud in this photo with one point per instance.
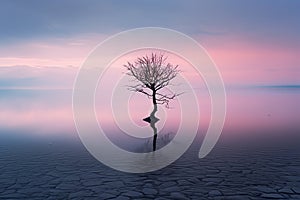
(68, 171)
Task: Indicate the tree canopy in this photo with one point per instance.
(152, 73)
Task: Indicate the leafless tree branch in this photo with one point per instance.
(152, 73)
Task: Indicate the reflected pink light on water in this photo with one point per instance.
(262, 109)
(248, 110)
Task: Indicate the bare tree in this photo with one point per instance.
(152, 74)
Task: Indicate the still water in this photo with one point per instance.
(269, 111)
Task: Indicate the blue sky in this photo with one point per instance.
(272, 21)
(245, 38)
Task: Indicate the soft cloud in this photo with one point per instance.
(26, 77)
(53, 52)
(245, 61)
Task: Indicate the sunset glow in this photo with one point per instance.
(38, 68)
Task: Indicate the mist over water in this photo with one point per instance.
(259, 114)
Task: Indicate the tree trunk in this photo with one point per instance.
(154, 97)
(153, 125)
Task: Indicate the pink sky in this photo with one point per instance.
(239, 60)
